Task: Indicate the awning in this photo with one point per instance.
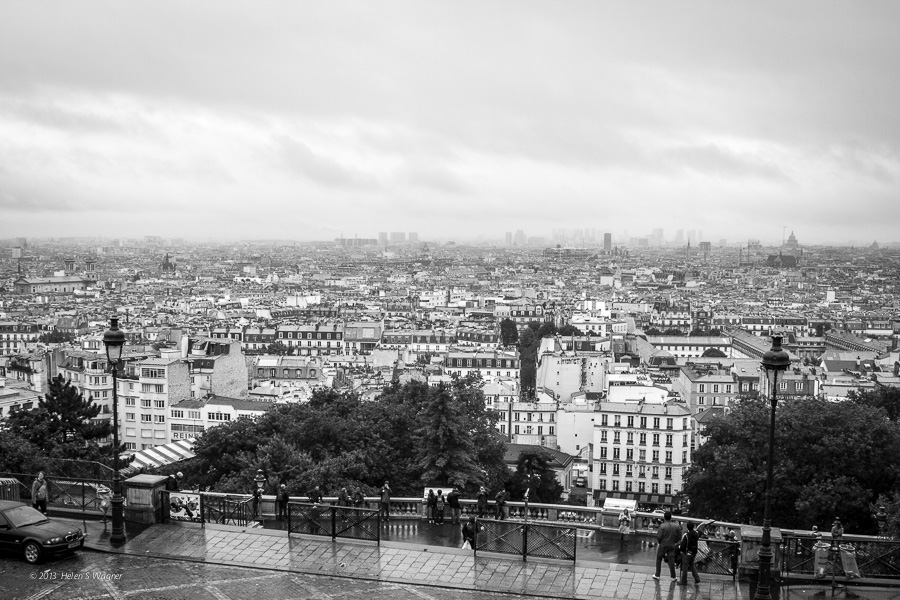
(160, 456)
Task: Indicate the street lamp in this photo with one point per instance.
(114, 340)
(260, 479)
(881, 520)
(773, 361)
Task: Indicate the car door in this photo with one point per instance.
(8, 540)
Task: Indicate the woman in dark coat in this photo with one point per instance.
(482, 502)
(430, 505)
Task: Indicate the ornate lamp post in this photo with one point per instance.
(114, 340)
(881, 520)
(773, 361)
(260, 479)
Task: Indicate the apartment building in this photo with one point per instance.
(488, 364)
(190, 418)
(704, 385)
(146, 392)
(641, 451)
(15, 337)
(528, 422)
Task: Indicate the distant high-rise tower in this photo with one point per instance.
(607, 242)
(382, 238)
(413, 236)
(520, 238)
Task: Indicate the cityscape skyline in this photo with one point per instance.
(313, 122)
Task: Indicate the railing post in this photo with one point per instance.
(202, 511)
(288, 510)
(333, 521)
(525, 541)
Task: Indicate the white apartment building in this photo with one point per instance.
(641, 451)
(189, 418)
(145, 397)
(532, 423)
(15, 337)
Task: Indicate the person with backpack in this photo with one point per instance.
(430, 505)
(257, 499)
(439, 503)
(453, 503)
(39, 493)
(688, 546)
(283, 498)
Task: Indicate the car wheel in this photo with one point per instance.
(32, 553)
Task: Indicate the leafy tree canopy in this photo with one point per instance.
(412, 435)
(714, 353)
(56, 337)
(509, 333)
(533, 472)
(831, 460)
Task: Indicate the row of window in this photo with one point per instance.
(714, 388)
(630, 421)
(192, 414)
(529, 416)
(129, 416)
(641, 470)
(641, 487)
(642, 455)
(146, 433)
(308, 335)
(529, 430)
(642, 438)
(146, 403)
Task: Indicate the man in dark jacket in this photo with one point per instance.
(482, 502)
(668, 536)
(315, 495)
(283, 498)
(689, 543)
(453, 503)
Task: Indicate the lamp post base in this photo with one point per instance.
(117, 536)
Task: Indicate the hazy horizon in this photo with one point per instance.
(312, 121)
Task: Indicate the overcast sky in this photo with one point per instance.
(312, 120)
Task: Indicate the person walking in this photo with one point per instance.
(439, 503)
(469, 533)
(39, 493)
(283, 498)
(430, 504)
(482, 502)
(667, 537)
(453, 503)
(386, 501)
(689, 544)
(500, 499)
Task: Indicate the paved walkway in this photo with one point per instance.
(410, 564)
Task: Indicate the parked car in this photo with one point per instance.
(581, 481)
(29, 533)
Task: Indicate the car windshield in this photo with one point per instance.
(22, 516)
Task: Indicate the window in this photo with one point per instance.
(670, 423)
(146, 418)
(177, 414)
(643, 422)
(656, 439)
(656, 456)
(616, 454)
(654, 472)
(668, 472)
(745, 386)
(153, 373)
(603, 468)
(701, 401)
(631, 421)
(159, 403)
(669, 437)
(129, 416)
(602, 483)
(130, 446)
(159, 418)
(668, 456)
(146, 433)
(516, 430)
(727, 388)
(642, 455)
(642, 487)
(716, 388)
(160, 435)
(654, 488)
(684, 456)
(668, 488)
(603, 420)
(603, 452)
(627, 486)
(193, 414)
(216, 416)
(629, 454)
(684, 440)
(129, 401)
(684, 424)
(618, 421)
(617, 437)
(130, 431)
(603, 435)
(782, 385)
(630, 438)
(655, 422)
(145, 403)
(798, 387)
(615, 468)
(551, 430)
(702, 388)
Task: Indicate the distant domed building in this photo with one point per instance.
(792, 243)
(167, 266)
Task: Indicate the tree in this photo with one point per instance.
(533, 472)
(447, 452)
(278, 347)
(673, 331)
(56, 337)
(653, 331)
(714, 353)
(831, 459)
(62, 416)
(886, 398)
(509, 333)
(569, 330)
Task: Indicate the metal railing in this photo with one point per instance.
(719, 557)
(68, 493)
(226, 509)
(873, 558)
(525, 539)
(334, 521)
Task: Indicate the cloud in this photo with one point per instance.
(300, 159)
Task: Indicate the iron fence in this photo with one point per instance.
(69, 493)
(873, 558)
(719, 557)
(526, 539)
(223, 509)
(180, 506)
(334, 521)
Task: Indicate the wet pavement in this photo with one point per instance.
(185, 560)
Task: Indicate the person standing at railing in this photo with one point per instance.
(453, 503)
(624, 525)
(39, 493)
(667, 536)
(343, 498)
(257, 499)
(385, 507)
(482, 502)
(315, 495)
(358, 498)
(500, 499)
(430, 505)
(439, 502)
(283, 499)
